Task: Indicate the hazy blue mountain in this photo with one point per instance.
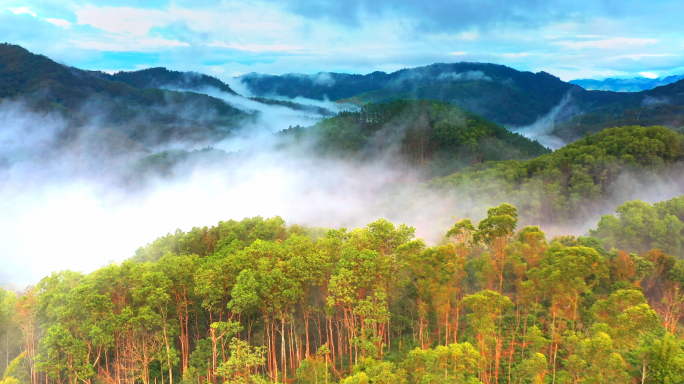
(635, 84)
(85, 99)
(525, 101)
(536, 104)
(497, 92)
(662, 105)
(164, 78)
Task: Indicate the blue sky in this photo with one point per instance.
(571, 39)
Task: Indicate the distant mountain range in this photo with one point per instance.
(635, 84)
(497, 92)
(135, 110)
(155, 106)
(533, 103)
(147, 117)
(164, 78)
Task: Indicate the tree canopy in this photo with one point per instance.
(257, 301)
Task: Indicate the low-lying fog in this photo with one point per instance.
(64, 209)
(67, 209)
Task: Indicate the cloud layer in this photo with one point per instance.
(571, 39)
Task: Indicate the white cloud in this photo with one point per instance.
(119, 44)
(649, 75)
(123, 20)
(637, 56)
(257, 47)
(614, 43)
(514, 55)
(59, 22)
(241, 36)
(22, 10)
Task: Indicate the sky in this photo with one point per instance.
(226, 38)
(568, 38)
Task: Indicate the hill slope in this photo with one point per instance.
(147, 116)
(574, 182)
(658, 106)
(504, 95)
(429, 135)
(496, 92)
(636, 84)
(163, 78)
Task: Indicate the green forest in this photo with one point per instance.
(435, 137)
(258, 301)
(495, 300)
(569, 184)
(146, 117)
(502, 94)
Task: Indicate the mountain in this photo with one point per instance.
(518, 100)
(132, 106)
(164, 78)
(635, 84)
(662, 105)
(86, 100)
(499, 93)
(295, 106)
(416, 139)
(435, 137)
(578, 180)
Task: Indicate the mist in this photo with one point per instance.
(70, 207)
(273, 118)
(62, 211)
(238, 86)
(542, 129)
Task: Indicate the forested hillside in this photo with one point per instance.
(132, 106)
(572, 182)
(639, 226)
(164, 78)
(431, 136)
(504, 95)
(659, 106)
(146, 116)
(256, 301)
(496, 92)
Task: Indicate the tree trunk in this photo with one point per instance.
(168, 351)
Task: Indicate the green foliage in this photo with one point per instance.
(135, 117)
(243, 363)
(568, 184)
(497, 92)
(639, 226)
(436, 136)
(666, 361)
(659, 106)
(255, 301)
(499, 223)
(14, 374)
(370, 371)
(162, 77)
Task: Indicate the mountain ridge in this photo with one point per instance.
(519, 100)
(147, 116)
(635, 84)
